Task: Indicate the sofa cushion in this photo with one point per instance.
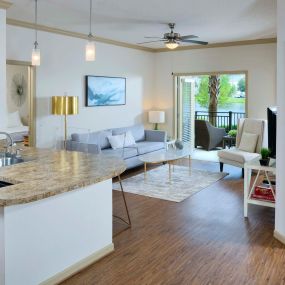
(136, 130)
(100, 138)
(123, 153)
(237, 155)
(145, 147)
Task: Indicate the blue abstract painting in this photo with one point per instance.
(105, 91)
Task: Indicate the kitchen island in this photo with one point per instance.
(56, 217)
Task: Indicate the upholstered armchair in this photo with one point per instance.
(253, 129)
(208, 136)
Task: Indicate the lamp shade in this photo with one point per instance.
(64, 105)
(156, 117)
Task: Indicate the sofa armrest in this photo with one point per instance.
(82, 147)
(155, 136)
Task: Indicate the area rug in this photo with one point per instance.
(156, 184)
(202, 154)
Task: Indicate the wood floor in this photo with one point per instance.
(202, 240)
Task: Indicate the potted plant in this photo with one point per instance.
(265, 156)
(232, 133)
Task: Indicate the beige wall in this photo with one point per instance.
(63, 68)
(3, 106)
(258, 60)
(14, 72)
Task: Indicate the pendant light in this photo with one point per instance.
(36, 54)
(171, 44)
(90, 50)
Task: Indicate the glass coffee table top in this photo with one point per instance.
(166, 155)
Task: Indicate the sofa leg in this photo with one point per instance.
(243, 173)
(221, 167)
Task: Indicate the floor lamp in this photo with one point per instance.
(64, 106)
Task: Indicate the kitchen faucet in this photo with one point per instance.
(8, 138)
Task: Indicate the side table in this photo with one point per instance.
(229, 141)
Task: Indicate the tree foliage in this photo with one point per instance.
(226, 91)
(241, 85)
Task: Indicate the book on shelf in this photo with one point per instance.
(263, 192)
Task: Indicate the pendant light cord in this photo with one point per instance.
(36, 24)
(90, 20)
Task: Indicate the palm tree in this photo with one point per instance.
(214, 92)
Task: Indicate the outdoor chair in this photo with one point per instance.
(208, 136)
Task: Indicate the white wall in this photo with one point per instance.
(63, 68)
(2, 67)
(258, 60)
(280, 199)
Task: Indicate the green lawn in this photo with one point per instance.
(236, 100)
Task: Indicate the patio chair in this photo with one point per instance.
(254, 129)
(208, 136)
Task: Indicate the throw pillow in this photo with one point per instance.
(129, 139)
(117, 141)
(248, 142)
(14, 120)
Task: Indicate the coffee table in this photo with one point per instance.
(166, 156)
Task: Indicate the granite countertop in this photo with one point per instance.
(52, 172)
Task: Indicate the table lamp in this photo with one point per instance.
(156, 117)
(65, 105)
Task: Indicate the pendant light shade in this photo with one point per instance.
(90, 49)
(90, 52)
(36, 53)
(36, 57)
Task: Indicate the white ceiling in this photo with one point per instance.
(130, 20)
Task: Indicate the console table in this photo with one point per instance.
(249, 187)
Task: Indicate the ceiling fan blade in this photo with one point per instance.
(188, 37)
(194, 42)
(153, 37)
(151, 42)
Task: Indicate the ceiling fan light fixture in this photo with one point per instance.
(172, 44)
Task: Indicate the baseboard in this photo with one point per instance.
(75, 268)
(279, 236)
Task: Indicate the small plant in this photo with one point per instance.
(233, 133)
(265, 156)
(265, 153)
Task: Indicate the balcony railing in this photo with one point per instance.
(227, 120)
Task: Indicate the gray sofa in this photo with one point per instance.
(97, 142)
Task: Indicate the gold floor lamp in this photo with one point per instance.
(65, 105)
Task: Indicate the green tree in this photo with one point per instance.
(226, 91)
(241, 85)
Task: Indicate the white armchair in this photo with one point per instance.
(237, 156)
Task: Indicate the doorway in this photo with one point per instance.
(217, 97)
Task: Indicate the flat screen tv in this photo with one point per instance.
(272, 118)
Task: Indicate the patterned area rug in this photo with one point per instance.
(184, 183)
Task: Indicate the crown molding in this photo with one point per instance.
(5, 4)
(28, 25)
(219, 45)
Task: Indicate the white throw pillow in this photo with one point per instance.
(129, 139)
(14, 120)
(116, 141)
(248, 142)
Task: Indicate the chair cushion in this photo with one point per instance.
(100, 138)
(248, 142)
(237, 155)
(136, 130)
(145, 147)
(125, 153)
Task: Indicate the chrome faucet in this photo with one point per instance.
(8, 138)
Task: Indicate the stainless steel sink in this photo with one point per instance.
(8, 159)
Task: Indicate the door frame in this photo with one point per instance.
(181, 74)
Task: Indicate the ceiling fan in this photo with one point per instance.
(172, 40)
